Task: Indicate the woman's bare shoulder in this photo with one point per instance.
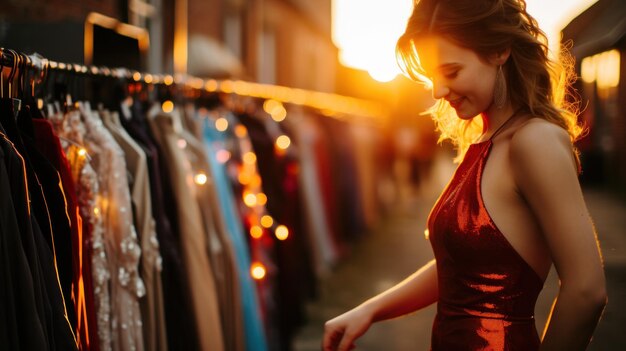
(539, 135)
(539, 146)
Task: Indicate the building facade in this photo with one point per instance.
(599, 47)
(283, 42)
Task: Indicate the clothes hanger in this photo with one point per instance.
(1, 74)
(17, 103)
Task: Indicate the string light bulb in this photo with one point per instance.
(200, 178)
(250, 200)
(256, 232)
(282, 232)
(267, 221)
(221, 124)
(258, 271)
(249, 158)
(261, 199)
(283, 142)
(168, 106)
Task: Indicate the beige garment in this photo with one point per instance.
(152, 310)
(221, 250)
(120, 236)
(192, 236)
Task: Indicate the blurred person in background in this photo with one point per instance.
(513, 207)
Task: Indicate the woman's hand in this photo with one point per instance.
(417, 291)
(341, 332)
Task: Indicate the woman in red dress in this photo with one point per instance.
(514, 206)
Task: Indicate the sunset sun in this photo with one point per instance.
(366, 31)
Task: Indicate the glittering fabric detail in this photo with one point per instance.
(123, 250)
(72, 130)
(487, 291)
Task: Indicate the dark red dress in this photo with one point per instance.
(487, 291)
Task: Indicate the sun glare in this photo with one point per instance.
(366, 30)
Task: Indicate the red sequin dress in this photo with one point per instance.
(487, 291)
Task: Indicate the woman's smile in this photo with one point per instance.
(456, 103)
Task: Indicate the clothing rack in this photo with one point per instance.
(332, 105)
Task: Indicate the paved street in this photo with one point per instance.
(397, 247)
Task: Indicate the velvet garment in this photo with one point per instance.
(487, 291)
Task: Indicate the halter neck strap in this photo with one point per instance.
(501, 127)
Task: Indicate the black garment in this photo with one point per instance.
(22, 317)
(295, 277)
(179, 318)
(55, 321)
(56, 205)
(49, 145)
(349, 220)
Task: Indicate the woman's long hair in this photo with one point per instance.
(534, 81)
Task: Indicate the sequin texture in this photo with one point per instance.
(487, 291)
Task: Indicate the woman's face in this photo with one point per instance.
(459, 76)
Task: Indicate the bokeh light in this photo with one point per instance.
(258, 271)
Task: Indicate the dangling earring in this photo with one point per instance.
(499, 90)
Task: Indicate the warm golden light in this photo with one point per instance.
(261, 199)
(588, 69)
(82, 152)
(211, 85)
(168, 80)
(221, 124)
(249, 158)
(270, 105)
(279, 114)
(244, 178)
(608, 69)
(168, 106)
(369, 47)
(96, 211)
(227, 86)
(241, 131)
(242, 88)
(258, 271)
(267, 221)
(256, 180)
(148, 78)
(553, 15)
(275, 108)
(366, 46)
(136, 76)
(283, 142)
(256, 232)
(200, 178)
(603, 68)
(282, 233)
(250, 200)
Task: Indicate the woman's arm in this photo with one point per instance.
(415, 292)
(545, 173)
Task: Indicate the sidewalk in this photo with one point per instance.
(397, 247)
